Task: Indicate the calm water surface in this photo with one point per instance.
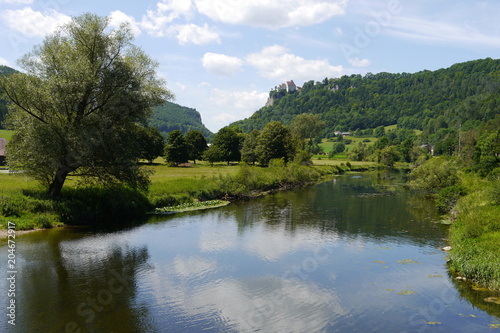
(354, 254)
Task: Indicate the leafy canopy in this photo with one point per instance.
(80, 94)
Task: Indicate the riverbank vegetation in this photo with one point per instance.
(25, 203)
(466, 186)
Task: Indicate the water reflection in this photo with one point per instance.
(350, 255)
(72, 282)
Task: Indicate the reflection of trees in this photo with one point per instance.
(476, 297)
(370, 204)
(68, 279)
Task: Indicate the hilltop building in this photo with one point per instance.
(288, 86)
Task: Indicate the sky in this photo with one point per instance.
(222, 57)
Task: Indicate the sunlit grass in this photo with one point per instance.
(7, 135)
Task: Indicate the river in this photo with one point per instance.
(353, 254)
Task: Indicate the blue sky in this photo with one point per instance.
(222, 57)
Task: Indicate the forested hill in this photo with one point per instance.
(170, 116)
(464, 94)
(4, 70)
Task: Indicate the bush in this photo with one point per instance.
(448, 197)
(100, 205)
(435, 175)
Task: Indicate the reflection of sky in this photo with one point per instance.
(266, 302)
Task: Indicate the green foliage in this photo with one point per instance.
(196, 145)
(102, 206)
(274, 142)
(151, 143)
(176, 150)
(435, 175)
(475, 235)
(169, 117)
(448, 197)
(248, 150)
(338, 148)
(228, 141)
(464, 93)
(388, 156)
(79, 98)
(305, 127)
(212, 154)
(4, 71)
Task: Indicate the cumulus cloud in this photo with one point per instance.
(4, 62)
(239, 100)
(156, 22)
(243, 104)
(272, 14)
(356, 62)
(118, 18)
(192, 33)
(31, 23)
(221, 64)
(275, 62)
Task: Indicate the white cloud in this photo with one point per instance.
(275, 62)
(192, 33)
(17, 2)
(156, 21)
(436, 31)
(242, 103)
(239, 100)
(221, 64)
(117, 18)
(34, 24)
(4, 62)
(182, 87)
(272, 14)
(356, 62)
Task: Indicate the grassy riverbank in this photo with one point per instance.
(472, 205)
(23, 202)
(475, 232)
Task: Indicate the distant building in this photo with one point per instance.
(429, 148)
(343, 133)
(3, 143)
(288, 86)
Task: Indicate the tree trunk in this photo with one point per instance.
(58, 182)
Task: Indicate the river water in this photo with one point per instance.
(353, 254)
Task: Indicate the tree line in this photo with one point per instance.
(465, 94)
(230, 144)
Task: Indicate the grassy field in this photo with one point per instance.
(6, 134)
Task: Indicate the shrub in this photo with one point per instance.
(448, 197)
(435, 175)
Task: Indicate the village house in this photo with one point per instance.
(3, 143)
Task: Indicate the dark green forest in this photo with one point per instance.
(170, 117)
(4, 70)
(465, 94)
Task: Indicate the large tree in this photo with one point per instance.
(79, 96)
(196, 144)
(228, 140)
(275, 141)
(176, 150)
(151, 143)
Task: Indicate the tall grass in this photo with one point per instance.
(475, 234)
